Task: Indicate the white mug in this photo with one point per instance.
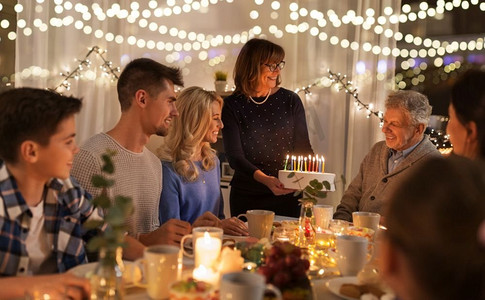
(207, 244)
(260, 222)
(366, 219)
(323, 214)
(245, 286)
(352, 254)
(160, 267)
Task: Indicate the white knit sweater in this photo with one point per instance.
(137, 175)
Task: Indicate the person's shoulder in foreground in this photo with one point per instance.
(432, 247)
(41, 208)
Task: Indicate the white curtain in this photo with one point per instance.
(337, 130)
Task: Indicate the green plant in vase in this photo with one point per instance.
(220, 81)
(107, 280)
(220, 76)
(310, 192)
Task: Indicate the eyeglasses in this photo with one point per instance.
(272, 67)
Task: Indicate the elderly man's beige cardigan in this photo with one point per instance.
(373, 186)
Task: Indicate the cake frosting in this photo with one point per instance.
(301, 179)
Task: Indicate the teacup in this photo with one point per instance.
(352, 253)
(245, 286)
(260, 222)
(160, 266)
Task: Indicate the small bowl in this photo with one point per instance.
(361, 231)
(190, 289)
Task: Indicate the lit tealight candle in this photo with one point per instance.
(203, 273)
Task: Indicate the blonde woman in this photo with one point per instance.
(191, 169)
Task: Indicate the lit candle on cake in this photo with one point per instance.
(303, 169)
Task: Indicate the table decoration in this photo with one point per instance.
(321, 263)
(285, 268)
(231, 260)
(307, 224)
(253, 251)
(107, 280)
(207, 274)
(207, 244)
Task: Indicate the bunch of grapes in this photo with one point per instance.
(284, 266)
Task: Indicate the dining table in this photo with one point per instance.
(319, 284)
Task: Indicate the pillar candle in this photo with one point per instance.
(207, 250)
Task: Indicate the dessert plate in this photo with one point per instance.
(334, 285)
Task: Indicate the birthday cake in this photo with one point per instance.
(301, 179)
(299, 171)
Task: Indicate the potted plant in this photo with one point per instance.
(220, 81)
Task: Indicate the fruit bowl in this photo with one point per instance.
(284, 268)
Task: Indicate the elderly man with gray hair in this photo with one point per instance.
(388, 162)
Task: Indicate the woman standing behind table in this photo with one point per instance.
(191, 169)
(263, 123)
(466, 126)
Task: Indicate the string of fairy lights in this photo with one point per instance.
(341, 83)
(302, 20)
(439, 138)
(338, 80)
(107, 68)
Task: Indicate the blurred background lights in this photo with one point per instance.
(360, 67)
(254, 14)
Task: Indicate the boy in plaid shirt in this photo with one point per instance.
(42, 208)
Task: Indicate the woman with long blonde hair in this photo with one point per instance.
(191, 169)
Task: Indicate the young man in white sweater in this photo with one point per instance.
(147, 98)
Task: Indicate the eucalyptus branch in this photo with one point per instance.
(313, 190)
(116, 209)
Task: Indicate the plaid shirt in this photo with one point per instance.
(66, 207)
